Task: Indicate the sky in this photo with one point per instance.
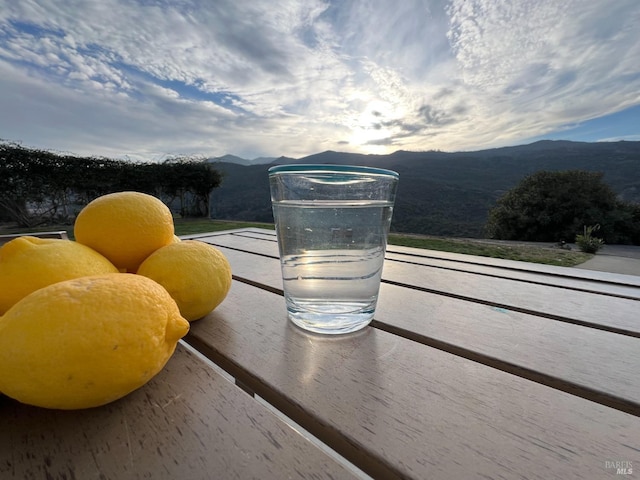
(152, 79)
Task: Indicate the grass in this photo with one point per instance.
(486, 248)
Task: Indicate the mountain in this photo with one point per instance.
(239, 160)
(229, 159)
(442, 193)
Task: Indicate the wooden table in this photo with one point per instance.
(472, 368)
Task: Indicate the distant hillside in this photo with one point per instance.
(241, 161)
(443, 193)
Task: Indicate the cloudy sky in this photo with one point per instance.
(147, 79)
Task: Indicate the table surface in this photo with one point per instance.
(472, 368)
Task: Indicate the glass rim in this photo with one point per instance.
(330, 168)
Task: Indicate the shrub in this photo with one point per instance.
(551, 205)
(587, 242)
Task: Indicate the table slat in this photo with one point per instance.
(188, 422)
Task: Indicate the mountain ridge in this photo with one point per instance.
(539, 145)
(442, 193)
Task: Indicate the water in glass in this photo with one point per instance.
(332, 255)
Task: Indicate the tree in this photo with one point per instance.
(549, 206)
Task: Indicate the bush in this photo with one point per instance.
(587, 242)
(39, 187)
(548, 206)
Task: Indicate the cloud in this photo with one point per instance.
(154, 78)
(542, 65)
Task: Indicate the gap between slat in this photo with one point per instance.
(533, 282)
(513, 308)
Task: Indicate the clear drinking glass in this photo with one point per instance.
(332, 223)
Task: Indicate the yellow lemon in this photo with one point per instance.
(88, 341)
(196, 274)
(29, 263)
(125, 227)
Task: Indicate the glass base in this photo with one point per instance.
(330, 322)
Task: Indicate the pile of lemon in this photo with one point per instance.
(86, 322)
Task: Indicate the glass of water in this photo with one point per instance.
(332, 223)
